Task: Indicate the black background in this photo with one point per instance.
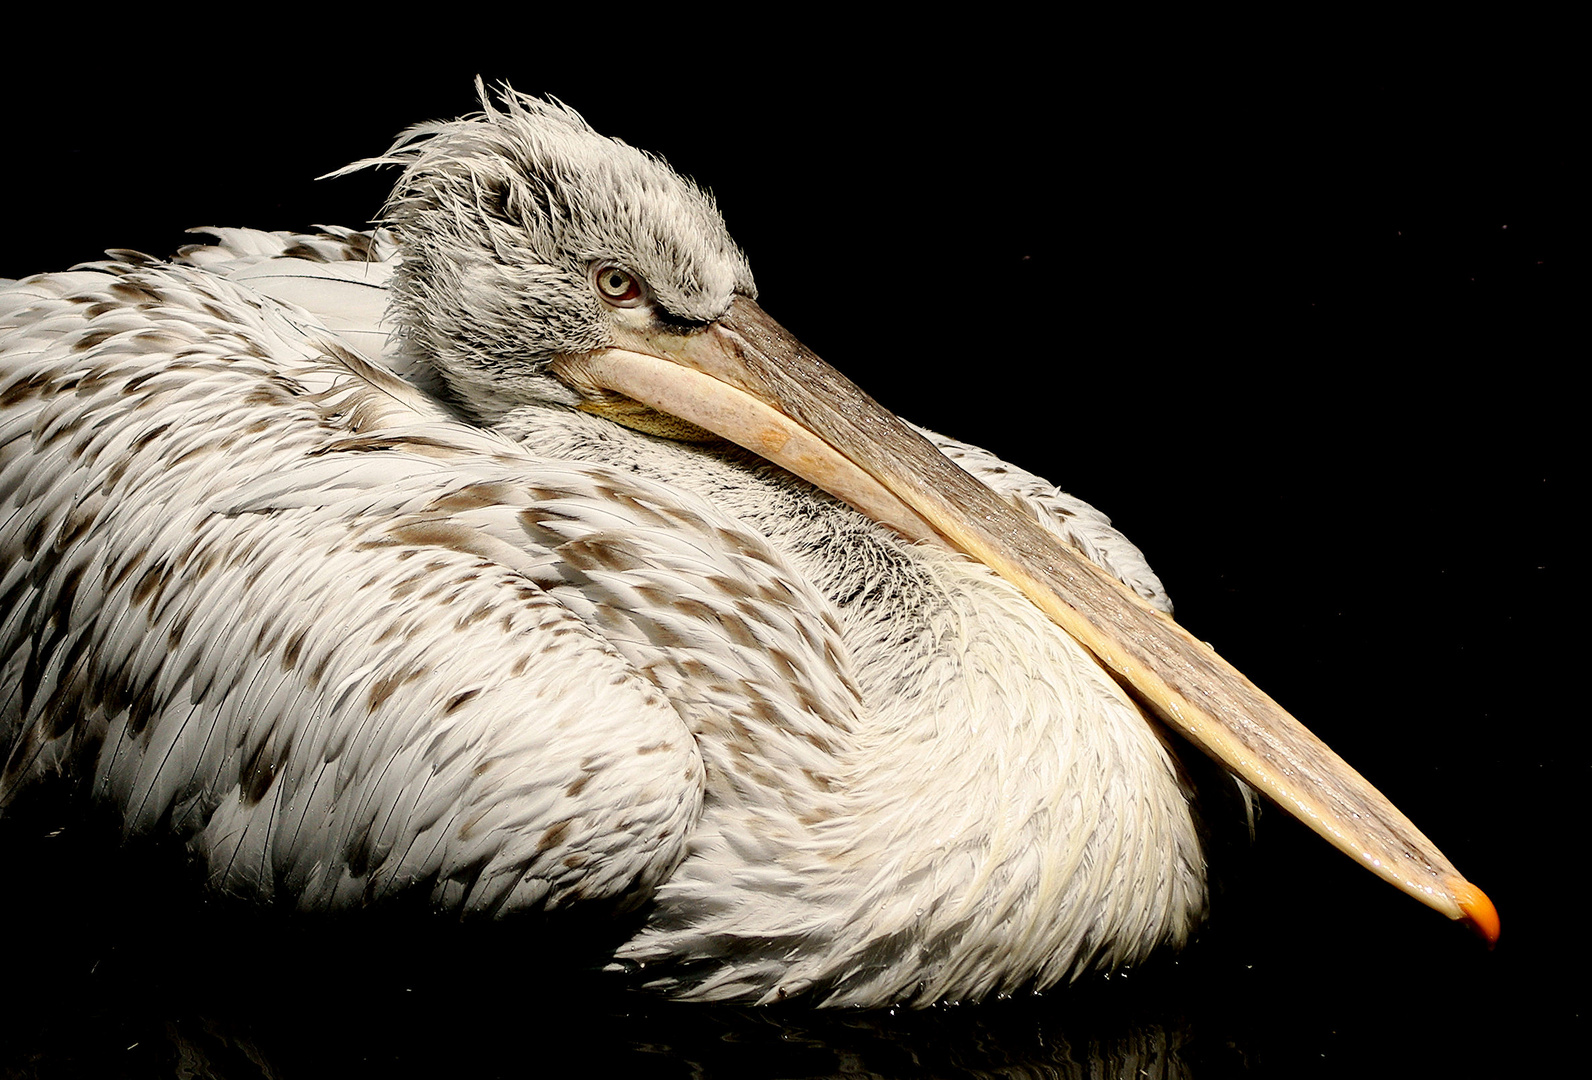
(1299, 323)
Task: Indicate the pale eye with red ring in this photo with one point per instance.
(618, 286)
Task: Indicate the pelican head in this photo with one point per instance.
(528, 236)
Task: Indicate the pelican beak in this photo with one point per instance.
(746, 379)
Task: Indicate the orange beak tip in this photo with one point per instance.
(1479, 913)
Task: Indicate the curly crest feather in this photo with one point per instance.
(504, 213)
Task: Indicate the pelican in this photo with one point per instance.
(510, 555)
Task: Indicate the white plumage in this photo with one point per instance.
(359, 608)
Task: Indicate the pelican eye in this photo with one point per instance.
(618, 286)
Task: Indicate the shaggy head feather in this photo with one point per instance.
(502, 217)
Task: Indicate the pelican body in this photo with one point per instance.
(511, 556)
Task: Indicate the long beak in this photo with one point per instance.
(746, 379)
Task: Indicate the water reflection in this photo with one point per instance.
(472, 1030)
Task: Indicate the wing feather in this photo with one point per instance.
(217, 622)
